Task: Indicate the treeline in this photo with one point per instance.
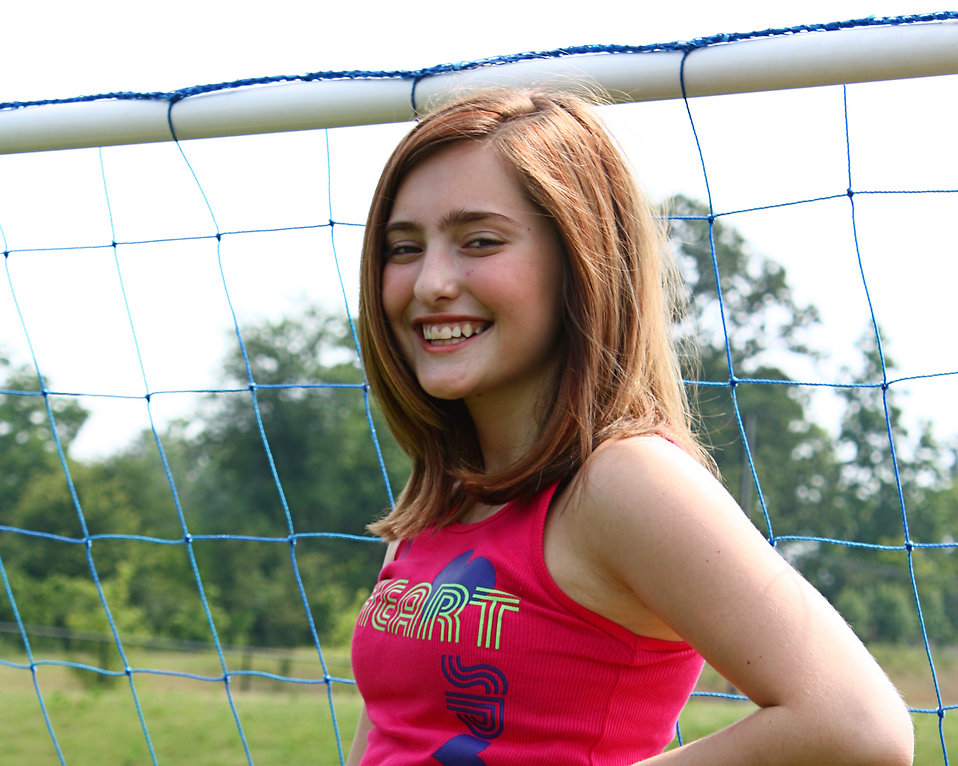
(210, 477)
(217, 519)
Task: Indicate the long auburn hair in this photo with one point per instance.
(619, 374)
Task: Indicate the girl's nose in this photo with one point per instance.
(438, 277)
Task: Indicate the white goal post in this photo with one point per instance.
(803, 59)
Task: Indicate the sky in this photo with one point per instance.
(759, 149)
(62, 48)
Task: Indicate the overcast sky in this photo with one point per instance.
(63, 48)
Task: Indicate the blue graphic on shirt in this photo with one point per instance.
(477, 693)
(470, 575)
(483, 710)
(462, 750)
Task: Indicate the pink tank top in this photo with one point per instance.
(467, 653)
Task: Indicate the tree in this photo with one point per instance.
(27, 444)
(817, 482)
(34, 491)
(756, 327)
(884, 478)
(307, 464)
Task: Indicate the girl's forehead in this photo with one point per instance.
(467, 174)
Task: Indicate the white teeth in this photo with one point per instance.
(450, 332)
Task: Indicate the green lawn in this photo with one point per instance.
(188, 722)
(191, 722)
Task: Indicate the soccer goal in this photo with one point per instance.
(189, 455)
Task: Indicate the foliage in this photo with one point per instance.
(291, 455)
(215, 481)
(789, 453)
(27, 419)
(884, 479)
(839, 483)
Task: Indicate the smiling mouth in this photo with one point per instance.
(448, 334)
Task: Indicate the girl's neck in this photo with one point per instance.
(505, 435)
(506, 427)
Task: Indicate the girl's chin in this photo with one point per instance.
(444, 380)
(446, 393)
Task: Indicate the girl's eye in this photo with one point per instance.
(482, 243)
(401, 251)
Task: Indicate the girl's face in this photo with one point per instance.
(472, 281)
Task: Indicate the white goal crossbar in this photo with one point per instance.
(804, 59)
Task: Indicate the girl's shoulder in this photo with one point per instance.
(646, 495)
(648, 522)
(624, 520)
(644, 473)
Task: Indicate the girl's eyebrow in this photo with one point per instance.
(452, 218)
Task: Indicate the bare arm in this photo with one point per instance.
(358, 749)
(665, 531)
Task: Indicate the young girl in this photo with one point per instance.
(563, 558)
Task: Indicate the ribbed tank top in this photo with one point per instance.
(468, 653)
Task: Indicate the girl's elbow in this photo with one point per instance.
(897, 751)
(901, 749)
(889, 738)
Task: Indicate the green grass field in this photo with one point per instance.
(191, 722)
